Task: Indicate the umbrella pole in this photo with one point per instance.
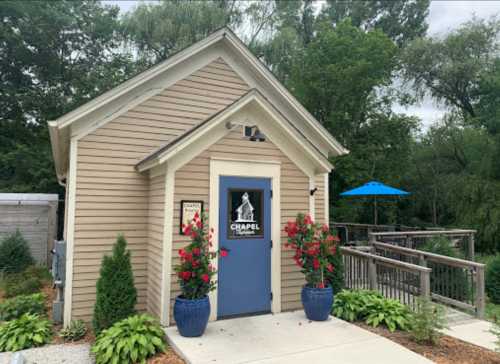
(375, 210)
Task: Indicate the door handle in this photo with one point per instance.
(224, 248)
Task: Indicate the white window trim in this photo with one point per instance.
(226, 167)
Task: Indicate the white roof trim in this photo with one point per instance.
(320, 129)
(142, 77)
(117, 95)
(159, 157)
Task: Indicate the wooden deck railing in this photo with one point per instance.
(462, 239)
(456, 282)
(394, 279)
(354, 232)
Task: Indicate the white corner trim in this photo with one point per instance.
(70, 236)
(327, 200)
(312, 207)
(167, 247)
(220, 167)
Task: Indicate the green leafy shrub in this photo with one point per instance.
(38, 271)
(75, 331)
(493, 280)
(388, 312)
(116, 294)
(426, 322)
(25, 332)
(131, 340)
(14, 308)
(15, 255)
(18, 284)
(351, 305)
(371, 307)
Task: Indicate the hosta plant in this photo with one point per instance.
(75, 331)
(26, 332)
(388, 312)
(352, 305)
(131, 340)
(14, 308)
(314, 247)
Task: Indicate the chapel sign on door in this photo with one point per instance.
(245, 213)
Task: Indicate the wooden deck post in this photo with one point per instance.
(471, 246)
(372, 274)
(480, 295)
(425, 284)
(371, 238)
(421, 260)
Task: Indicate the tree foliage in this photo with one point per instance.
(157, 30)
(54, 56)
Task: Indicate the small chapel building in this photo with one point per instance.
(208, 129)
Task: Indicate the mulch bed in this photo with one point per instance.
(449, 350)
(169, 357)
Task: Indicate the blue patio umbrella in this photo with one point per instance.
(374, 189)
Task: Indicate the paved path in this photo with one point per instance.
(54, 354)
(288, 338)
(470, 329)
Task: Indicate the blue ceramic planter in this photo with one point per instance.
(317, 302)
(191, 316)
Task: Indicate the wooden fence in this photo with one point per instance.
(35, 216)
(455, 282)
(394, 279)
(462, 239)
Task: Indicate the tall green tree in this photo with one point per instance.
(157, 30)
(400, 20)
(452, 68)
(54, 56)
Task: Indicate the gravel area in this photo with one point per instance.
(54, 354)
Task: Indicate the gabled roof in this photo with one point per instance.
(128, 94)
(223, 119)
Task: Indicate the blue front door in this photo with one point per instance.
(244, 281)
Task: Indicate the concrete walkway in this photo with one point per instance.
(476, 332)
(470, 329)
(288, 338)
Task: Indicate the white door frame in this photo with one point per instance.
(248, 168)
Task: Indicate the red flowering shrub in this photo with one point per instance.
(195, 271)
(315, 247)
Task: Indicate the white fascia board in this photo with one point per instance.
(279, 130)
(145, 76)
(270, 78)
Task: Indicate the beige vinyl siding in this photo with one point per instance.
(319, 199)
(155, 243)
(192, 182)
(112, 198)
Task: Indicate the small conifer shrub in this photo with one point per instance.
(116, 294)
(15, 255)
(427, 322)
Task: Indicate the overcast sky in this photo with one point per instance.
(443, 17)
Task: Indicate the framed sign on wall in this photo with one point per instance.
(188, 210)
